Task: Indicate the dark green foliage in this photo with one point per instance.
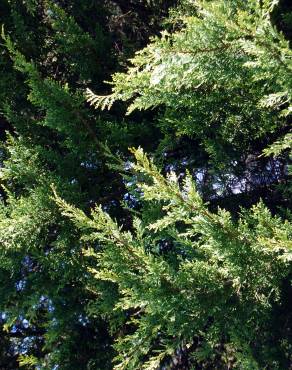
(181, 284)
(223, 80)
(50, 52)
(215, 282)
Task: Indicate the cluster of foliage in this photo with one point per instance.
(217, 282)
(50, 52)
(223, 78)
(109, 261)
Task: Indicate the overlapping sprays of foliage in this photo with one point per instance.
(218, 283)
(50, 52)
(151, 273)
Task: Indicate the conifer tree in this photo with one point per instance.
(222, 79)
(50, 51)
(195, 287)
(111, 262)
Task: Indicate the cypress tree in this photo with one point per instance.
(180, 259)
(50, 52)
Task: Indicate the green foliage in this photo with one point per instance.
(279, 146)
(223, 78)
(221, 281)
(27, 361)
(106, 262)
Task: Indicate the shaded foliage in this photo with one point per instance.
(181, 284)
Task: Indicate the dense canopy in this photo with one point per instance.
(145, 200)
